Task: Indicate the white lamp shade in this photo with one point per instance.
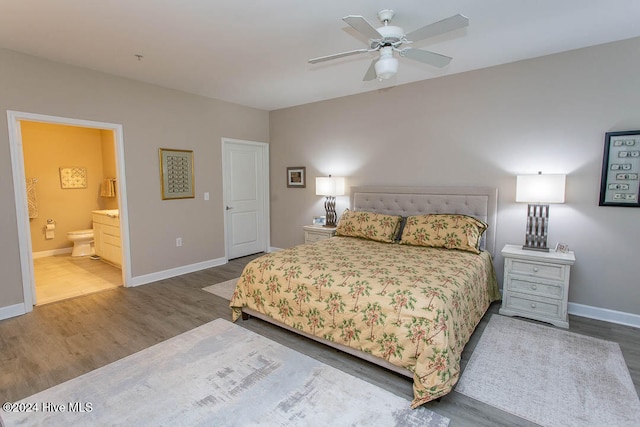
(330, 186)
(540, 188)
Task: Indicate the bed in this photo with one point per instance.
(403, 284)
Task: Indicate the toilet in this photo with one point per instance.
(82, 240)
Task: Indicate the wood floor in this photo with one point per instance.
(59, 341)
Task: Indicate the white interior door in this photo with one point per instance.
(246, 188)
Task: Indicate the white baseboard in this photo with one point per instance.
(272, 249)
(44, 254)
(604, 314)
(173, 272)
(12, 311)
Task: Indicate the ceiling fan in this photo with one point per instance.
(389, 39)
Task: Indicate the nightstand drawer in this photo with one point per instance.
(550, 271)
(541, 287)
(533, 305)
(314, 237)
(313, 233)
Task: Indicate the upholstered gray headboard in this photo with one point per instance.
(479, 202)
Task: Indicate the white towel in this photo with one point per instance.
(32, 199)
(108, 188)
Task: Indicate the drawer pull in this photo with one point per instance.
(534, 287)
(535, 269)
(533, 305)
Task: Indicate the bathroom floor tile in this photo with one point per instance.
(62, 276)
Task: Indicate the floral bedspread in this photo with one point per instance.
(415, 307)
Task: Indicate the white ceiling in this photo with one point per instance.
(255, 52)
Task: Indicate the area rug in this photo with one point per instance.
(550, 377)
(220, 374)
(224, 289)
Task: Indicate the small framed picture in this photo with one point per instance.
(319, 220)
(297, 177)
(563, 248)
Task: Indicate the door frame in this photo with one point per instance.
(20, 193)
(264, 147)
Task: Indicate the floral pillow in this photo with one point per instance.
(369, 225)
(444, 231)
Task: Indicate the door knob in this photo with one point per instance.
(229, 208)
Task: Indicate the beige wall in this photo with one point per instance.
(46, 148)
(483, 128)
(152, 117)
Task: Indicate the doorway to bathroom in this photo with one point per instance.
(70, 173)
(65, 172)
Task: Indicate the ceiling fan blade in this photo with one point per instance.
(337, 55)
(452, 23)
(371, 72)
(425, 56)
(362, 26)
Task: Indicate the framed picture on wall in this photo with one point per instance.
(619, 185)
(73, 177)
(176, 174)
(297, 177)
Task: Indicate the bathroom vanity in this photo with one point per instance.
(106, 236)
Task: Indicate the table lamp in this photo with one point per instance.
(330, 187)
(539, 190)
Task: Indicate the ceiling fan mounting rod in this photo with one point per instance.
(385, 16)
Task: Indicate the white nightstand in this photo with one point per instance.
(536, 284)
(313, 233)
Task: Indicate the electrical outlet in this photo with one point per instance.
(178, 241)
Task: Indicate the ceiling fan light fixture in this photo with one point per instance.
(387, 66)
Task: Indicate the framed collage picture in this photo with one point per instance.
(176, 174)
(619, 185)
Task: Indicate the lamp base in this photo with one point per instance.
(537, 226)
(330, 208)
